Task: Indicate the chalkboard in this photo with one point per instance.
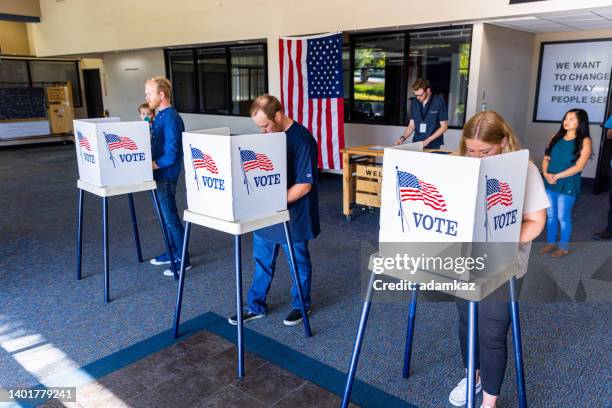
(22, 103)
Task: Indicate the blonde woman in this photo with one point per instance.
(487, 134)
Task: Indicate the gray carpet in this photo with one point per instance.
(50, 323)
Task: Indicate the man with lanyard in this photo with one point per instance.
(428, 117)
(303, 205)
(167, 154)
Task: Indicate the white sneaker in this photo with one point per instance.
(168, 272)
(457, 396)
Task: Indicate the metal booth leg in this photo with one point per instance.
(240, 337)
(105, 241)
(471, 355)
(179, 294)
(516, 342)
(410, 332)
(296, 278)
(135, 226)
(79, 248)
(357, 349)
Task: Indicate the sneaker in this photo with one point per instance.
(168, 272)
(247, 316)
(560, 253)
(294, 317)
(458, 395)
(162, 259)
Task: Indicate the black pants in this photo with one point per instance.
(492, 336)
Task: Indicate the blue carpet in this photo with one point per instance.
(44, 308)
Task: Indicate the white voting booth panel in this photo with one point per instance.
(111, 153)
(442, 198)
(235, 178)
(439, 206)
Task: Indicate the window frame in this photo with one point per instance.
(76, 87)
(228, 85)
(404, 80)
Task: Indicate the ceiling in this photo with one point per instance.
(562, 21)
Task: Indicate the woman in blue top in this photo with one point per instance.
(564, 159)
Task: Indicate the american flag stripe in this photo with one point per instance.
(413, 189)
(498, 192)
(321, 114)
(115, 142)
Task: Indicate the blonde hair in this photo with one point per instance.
(163, 85)
(268, 104)
(489, 127)
(420, 83)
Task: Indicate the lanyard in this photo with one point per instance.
(427, 108)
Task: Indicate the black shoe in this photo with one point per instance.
(294, 317)
(247, 316)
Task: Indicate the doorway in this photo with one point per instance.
(93, 93)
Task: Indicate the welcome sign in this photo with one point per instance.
(111, 153)
(235, 177)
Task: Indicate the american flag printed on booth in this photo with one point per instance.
(498, 193)
(83, 142)
(115, 142)
(251, 161)
(312, 91)
(202, 160)
(412, 189)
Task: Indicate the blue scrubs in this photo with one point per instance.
(427, 119)
(304, 224)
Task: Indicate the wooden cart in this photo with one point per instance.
(361, 177)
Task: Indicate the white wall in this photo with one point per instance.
(504, 74)
(538, 134)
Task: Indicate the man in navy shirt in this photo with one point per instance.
(303, 205)
(167, 154)
(607, 233)
(428, 117)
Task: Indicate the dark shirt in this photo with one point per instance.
(434, 112)
(166, 144)
(302, 160)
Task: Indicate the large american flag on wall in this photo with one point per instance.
(312, 90)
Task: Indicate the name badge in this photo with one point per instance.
(423, 128)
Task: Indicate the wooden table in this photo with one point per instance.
(362, 177)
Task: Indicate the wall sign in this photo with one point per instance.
(573, 75)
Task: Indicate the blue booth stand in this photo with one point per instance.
(237, 229)
(104, 193)
(471, 344)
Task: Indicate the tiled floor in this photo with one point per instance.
(200, 372)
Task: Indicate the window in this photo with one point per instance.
(222, 80)
(442, 56)
(248, 77)
(53, 73)
(384, 66)
(14, 73)
(41, 73)
(182, 75)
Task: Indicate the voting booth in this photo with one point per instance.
(236, 184)
(235, 178)
(452, 206)
(446, 207)
(111, 153)
(114, 158)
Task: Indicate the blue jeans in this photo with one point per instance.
(559, 214)
(166, 192)
(265, 253)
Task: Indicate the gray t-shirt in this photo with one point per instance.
(535, 199)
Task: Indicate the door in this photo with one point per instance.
(93, 93)
(602, 174)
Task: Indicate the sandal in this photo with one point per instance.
(559, 253)
(547, 248)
